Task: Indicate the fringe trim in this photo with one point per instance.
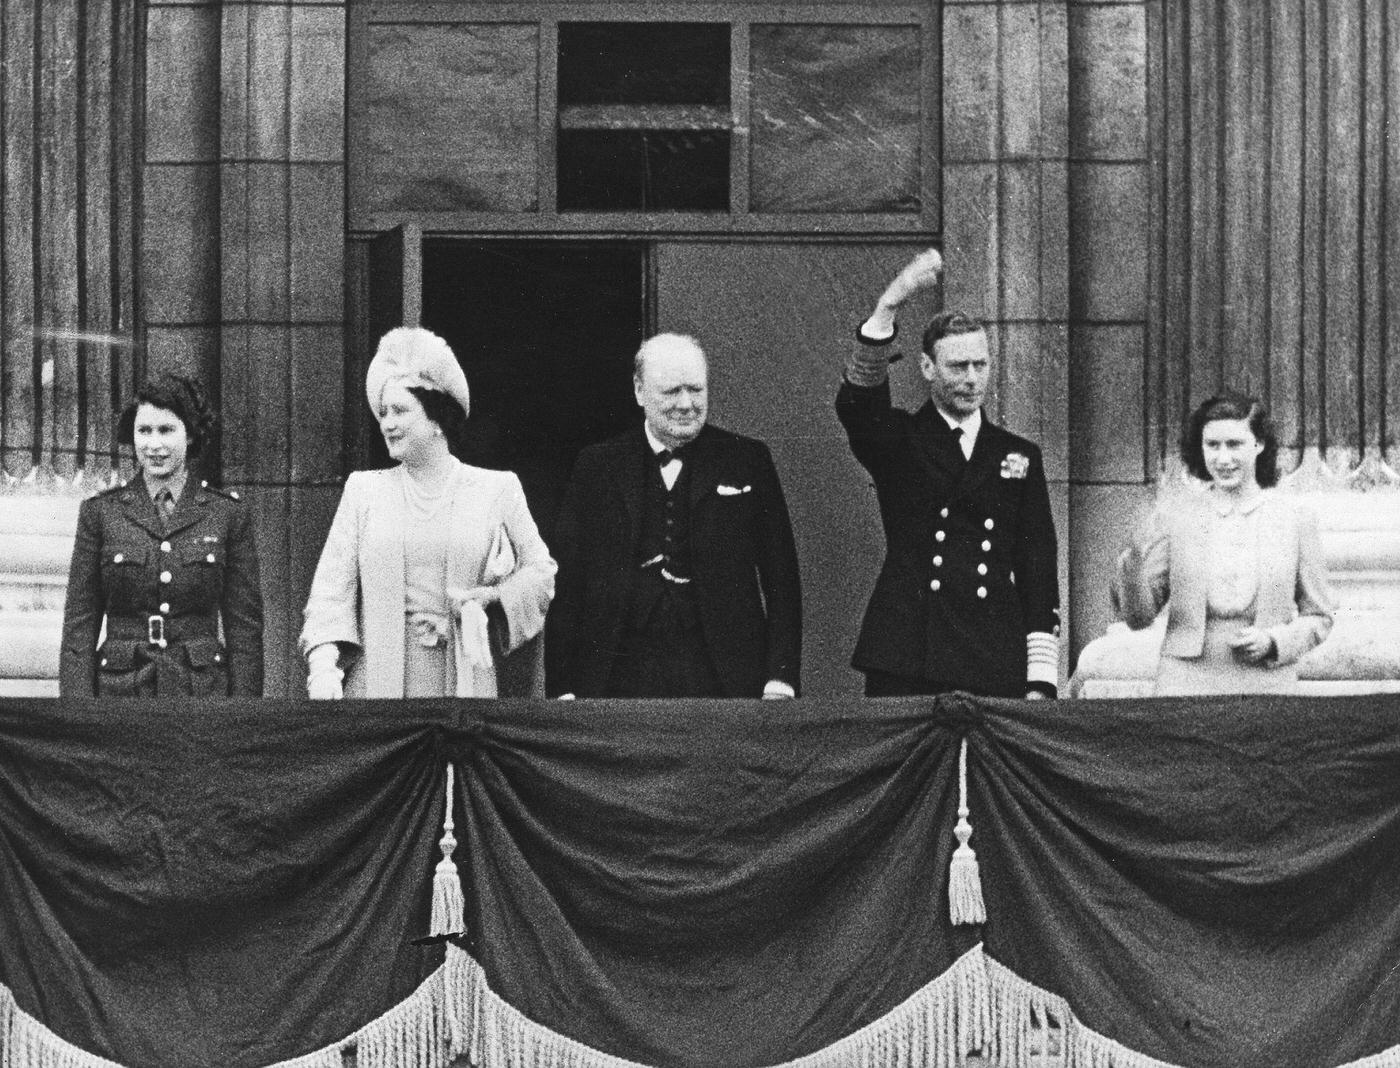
(933, 1028)
(27, 1043)
(977, 1006)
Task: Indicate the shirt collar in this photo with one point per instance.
(176, 486)
(657, 446)
(1225, 505)
(969, 426)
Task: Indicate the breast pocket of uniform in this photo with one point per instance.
(202, 570)
(123, 572)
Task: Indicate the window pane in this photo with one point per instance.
(644, 116)
(835, 117)
(643, 63)
(643, 170)
(449, 120)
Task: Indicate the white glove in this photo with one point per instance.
(324, 678)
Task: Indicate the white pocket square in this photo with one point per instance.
(732, 491)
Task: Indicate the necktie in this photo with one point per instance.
(956, 437)
(165, 503)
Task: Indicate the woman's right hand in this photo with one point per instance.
(324, 679)
(325, 687)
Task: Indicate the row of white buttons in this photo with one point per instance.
(939, 535)
(938, 562)
(988, 523)
(937, 585)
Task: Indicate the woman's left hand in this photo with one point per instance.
(1252, 644)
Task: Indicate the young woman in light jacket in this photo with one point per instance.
(1239, 566)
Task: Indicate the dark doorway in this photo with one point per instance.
(546, 332)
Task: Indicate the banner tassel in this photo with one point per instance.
(448, 904)
(965, 906)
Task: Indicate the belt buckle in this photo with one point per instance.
(155, 631)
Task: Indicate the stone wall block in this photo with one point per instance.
(1108, 261)
(182, 85)
(1108, 82)
(180, 243)
(318, 84)
(1054, 240)
(1106, 403)
(1021, 87)
(268, 118)
(317, 245)
(970, 238)
(1054, 81)
(269, 254)
(970, 83)
(1020, 241)
(317, 386)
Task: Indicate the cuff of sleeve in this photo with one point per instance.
(778, 688)
(1042, 660)
(866, 337)
(869, 363)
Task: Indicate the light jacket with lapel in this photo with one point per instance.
(1169, 564)
(357, 594)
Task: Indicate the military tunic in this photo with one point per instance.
(970, 565)
(164, 586)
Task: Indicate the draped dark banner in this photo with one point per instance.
(703, 884)
(214, 883)
(1214, 882)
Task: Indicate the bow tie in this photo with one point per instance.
(665, 456)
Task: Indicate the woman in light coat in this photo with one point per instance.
(1239, 566)
(433, 571)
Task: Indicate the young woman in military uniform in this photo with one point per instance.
(165, 562)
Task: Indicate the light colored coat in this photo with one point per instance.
(1170, 564)
(357, 594)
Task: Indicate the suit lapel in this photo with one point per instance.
(933, 449)
(629, 469)
(703, 464)
(188, 509)
(141, 509)
(987, 453)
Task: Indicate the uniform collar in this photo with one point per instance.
(969, 425)
(176, 486)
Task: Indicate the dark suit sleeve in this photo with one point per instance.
(242, 607)
(566, 610)
(1037, 567)
(779, 576)
(874, 427)
(82, 607)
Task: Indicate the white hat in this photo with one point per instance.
(412, 356)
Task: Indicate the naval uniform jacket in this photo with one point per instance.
(970, 559)
(174, 580)
(743, 559)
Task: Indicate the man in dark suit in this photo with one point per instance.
(968, 596)
(677, 567)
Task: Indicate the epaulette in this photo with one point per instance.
(110, 490)
(230, 494)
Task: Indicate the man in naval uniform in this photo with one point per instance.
(968, 595)
(677, 566)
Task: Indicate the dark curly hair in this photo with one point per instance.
(445, 412)
(174, 393)
(1231, 405)
(946, 324)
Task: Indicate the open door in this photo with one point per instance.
(390, 295)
